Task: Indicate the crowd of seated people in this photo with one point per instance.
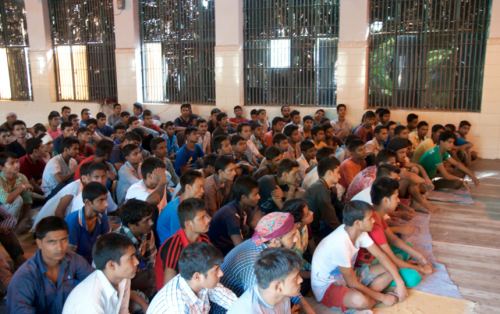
(218, 214)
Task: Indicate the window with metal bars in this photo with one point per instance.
(15, 79)
(84, 49)
(290, 52)
(178, 41)
(427, 54)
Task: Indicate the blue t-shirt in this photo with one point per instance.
(186, 157)
(168, 223)
(79, 235)
(106, 131)
(460, 141)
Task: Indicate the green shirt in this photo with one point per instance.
(6, 188)
(431, 159)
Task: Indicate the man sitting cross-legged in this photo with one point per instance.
(42, 284)
(384, 196)
(432, 162)
(107, 289)
(194, 226)
(138, 226)
(273, 230)
(278, 280)
(336, 283)
(196, 284)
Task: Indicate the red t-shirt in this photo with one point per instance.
(234, 120)
(153, 126)
(30, 170)
(348, 171)
(86, 160)
(364, 134)
(378, 236)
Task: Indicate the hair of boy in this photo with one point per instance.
(132, 119)
(123, 114)
(93, 190)
(128, 149)
(188, 208)
(326, 164)
(253, 112)
(240, 127)
(95, 166)
(286, 165)
(451, 126)
(72, 116)
(324, 152)
(320, 110)
(464, 123)
(340, 106)
(221, 115)
(147, 113)
(149, 165)
(209, 160)
(83, 110)
(103, 147)
(138, 105)
(386, 170)
(237, 107)
(383, 187)
(389, 124)
(134, 210)
(294, 113)
(110, 247)
(411, 117)
(283, 107)
(91, 121)
(84, 168)
(155, 142)
(437, 128)
(379, 129)
(4, 130)
(446, 135)
(32, 144)
(378, 110)
(289, 129)
(217, 142)
(244, 185)
(236, 139)
(323, 120)
(316, 129)
(54, 114)
(169, 123)
(295, 207)
(354, 144)
(189, 178)
(139, 132)
(116, 105)
(189, 130)
(421, 124)
(18, 122)
(68, 142)
(384, 155)
(50, 224)
(275, 264)
(399, 129)
(326, 126)
(370, 115)
(279, 137)
(66, 125)
(214, 111)
(222, 162)
(355, 210)
(192, 118)
(306, 144)
(308, 117)
(37, 129)
(277, 120)
(5, 156)
(117, 127)
(260, 111)
(198, 257)
(100, 115)
(272, 152)
(200, 121)
(185, 106)
(134, 137)
(65, 108)
(255, 126)
(383, 112)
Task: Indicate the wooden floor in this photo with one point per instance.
(466, 238)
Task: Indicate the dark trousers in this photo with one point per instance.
(11, 245)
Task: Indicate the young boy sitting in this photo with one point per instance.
(365, 130)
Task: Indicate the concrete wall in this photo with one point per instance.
(352, 71)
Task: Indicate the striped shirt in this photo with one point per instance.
(169, 254)
(178, 297)
(238, 269)
(7, 220)
(145, 248)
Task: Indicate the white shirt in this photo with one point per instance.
(304, 165)
(73, 188)
(373, 146)
(49, 181)
(251, 150)
(415, 140)
(335, 250)
(205, 142)
(364, 196)
(311, 177)
(96, 295)
(337, 127)
(78, 203)
(140, 191)
(177, 297)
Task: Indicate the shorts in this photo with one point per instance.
(335, 293)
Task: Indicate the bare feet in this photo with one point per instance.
(364, 312)
(420, 208)
(433, 208)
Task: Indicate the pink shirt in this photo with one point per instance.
(54, 134)
(363, 134)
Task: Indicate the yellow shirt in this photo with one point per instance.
(321, 144)
(421, 149)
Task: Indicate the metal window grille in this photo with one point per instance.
(427, 54)
(15, 81)
(84, 49)
(178, 41)
(290, 52)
